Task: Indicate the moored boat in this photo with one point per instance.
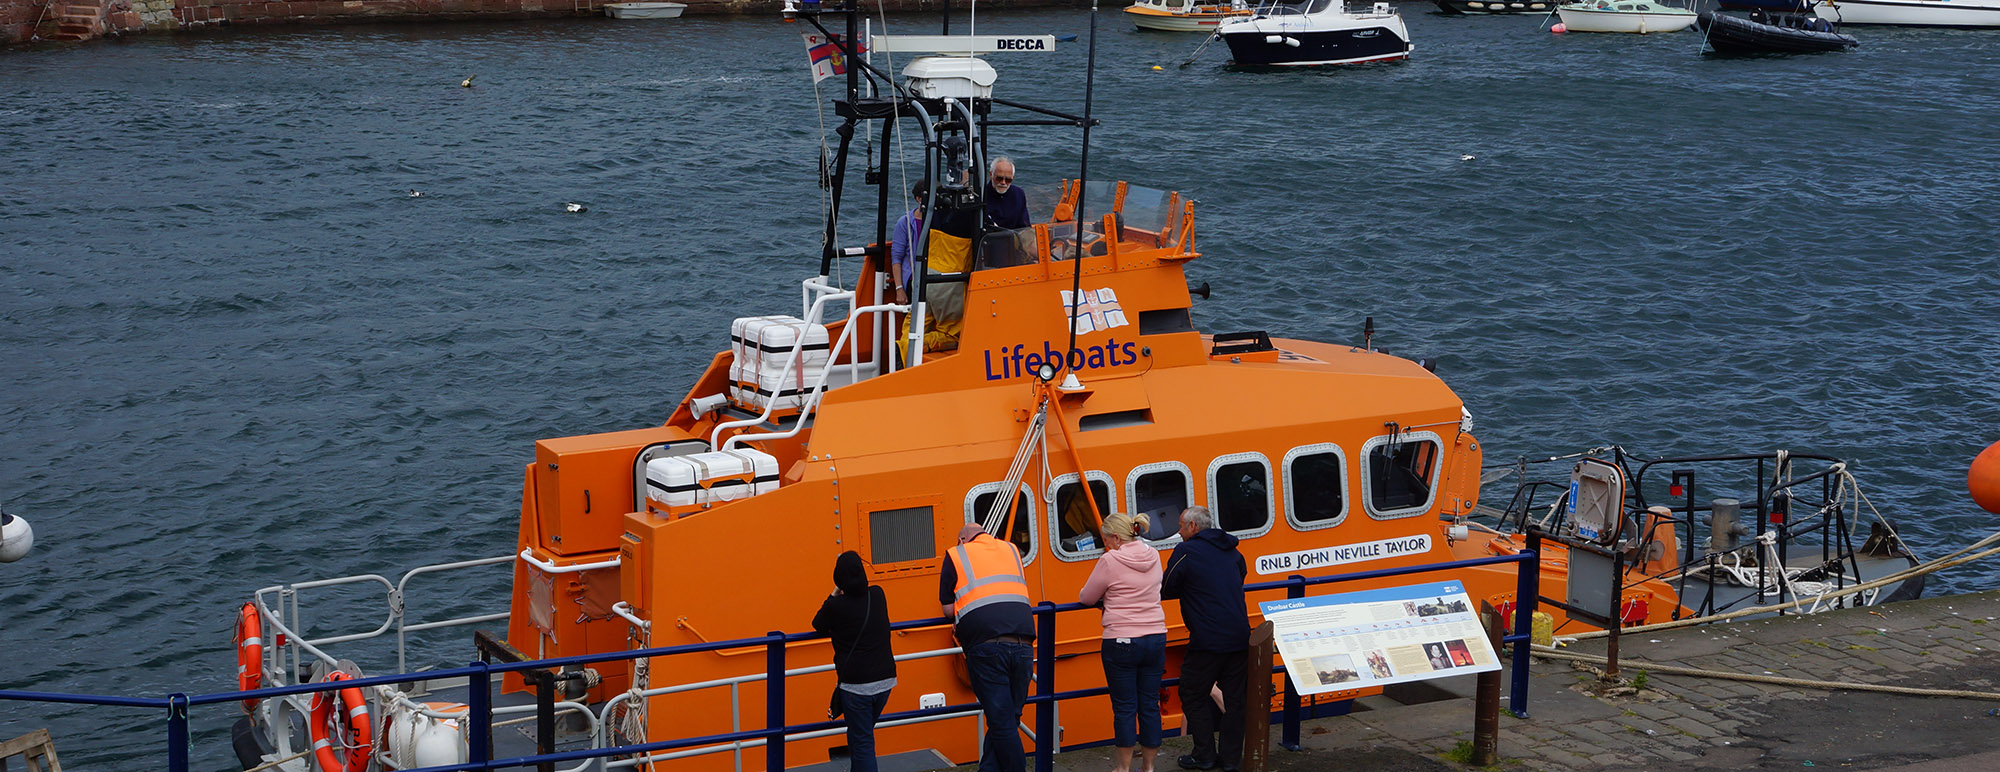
(1639, 16)
(1184, 15)
(644, 10)
(1476, 7)
(1911, 13)
(1763, 33)
(1317, 32)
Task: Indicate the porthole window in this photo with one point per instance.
(1239, 493)
(1401, 474)
(1160, 491)
(1315, 486)
(1074, 528)
(979, 504)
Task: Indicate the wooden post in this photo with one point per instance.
(35, 748)
(1257, 703)
(1486, 703)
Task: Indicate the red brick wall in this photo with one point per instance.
(18, 17)
(17, 20)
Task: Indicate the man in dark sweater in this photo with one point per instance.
(1206, 574)
(856, 617)
(1006, 205)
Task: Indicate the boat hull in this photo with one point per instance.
(1477, 7)
(1154, 19)
(644, 10)
(1732, 35)
(1367, 40)
(1911, 13)
(1787, 6)
(1589, 20)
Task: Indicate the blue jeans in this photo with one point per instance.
(861, 712)
(1133, 671)
(999, 671)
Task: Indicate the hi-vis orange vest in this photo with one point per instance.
(989, 572)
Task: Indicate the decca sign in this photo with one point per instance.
(961, 44)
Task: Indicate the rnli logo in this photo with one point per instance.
(1098, 311)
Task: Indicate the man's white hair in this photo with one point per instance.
(997, 161)
(1199, 516)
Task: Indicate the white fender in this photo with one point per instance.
(16, 538)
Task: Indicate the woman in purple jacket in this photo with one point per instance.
(1126, 584)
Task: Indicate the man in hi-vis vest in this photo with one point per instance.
(985, 595)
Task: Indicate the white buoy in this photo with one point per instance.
(16, 538)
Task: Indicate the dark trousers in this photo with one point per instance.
(999, 671)
(1133, 670)
(1201, 670)
(861, 712)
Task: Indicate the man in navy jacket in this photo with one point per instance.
(1206, 574)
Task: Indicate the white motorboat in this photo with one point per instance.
(1911, 13)
(644, 10)
(1317, 32)
(1641, 16)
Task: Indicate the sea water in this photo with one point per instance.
(236, 351)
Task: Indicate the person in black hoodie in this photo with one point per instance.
(1206, 574)
(856, 617)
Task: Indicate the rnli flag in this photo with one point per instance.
(825, 55)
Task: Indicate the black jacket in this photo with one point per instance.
(1206, 574)
(858, 622)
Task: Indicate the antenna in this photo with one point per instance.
(1082, 176)
(1368, 333)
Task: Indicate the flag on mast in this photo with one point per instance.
(823, 51)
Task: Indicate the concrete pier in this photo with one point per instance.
(1684, 722)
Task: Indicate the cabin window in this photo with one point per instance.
(1160, 491)
(1239, 493)
(1401, 474)
(979, 504)
(899, 535)
(1075, 529)
(1315, 486)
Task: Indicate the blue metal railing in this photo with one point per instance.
(479, 701)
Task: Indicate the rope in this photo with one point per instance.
(1011, 489)
(281, 761)
(1652, 667)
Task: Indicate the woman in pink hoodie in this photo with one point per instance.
(1126, 584)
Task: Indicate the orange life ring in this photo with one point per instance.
(249, 652)
(323, 723)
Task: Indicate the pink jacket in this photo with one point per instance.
(1127, 579)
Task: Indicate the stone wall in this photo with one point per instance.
(18, 18)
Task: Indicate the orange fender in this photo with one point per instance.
(1983, 480)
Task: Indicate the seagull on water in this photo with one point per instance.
(467, 83)
(1466, 157)
(415, 193)
(575, 207)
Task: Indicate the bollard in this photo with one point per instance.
(1486, 705)
(1257, 703)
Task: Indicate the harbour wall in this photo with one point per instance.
(29, 20)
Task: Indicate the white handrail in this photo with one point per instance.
(810, 401)
(624, 611)
(527, 556)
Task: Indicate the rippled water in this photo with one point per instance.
(236, 352)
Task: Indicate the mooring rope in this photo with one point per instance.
(1654, 667)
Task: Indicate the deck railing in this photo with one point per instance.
(776, 732)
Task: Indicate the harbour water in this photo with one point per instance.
(236, 352)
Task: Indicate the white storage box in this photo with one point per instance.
(765, 342)
(750, 389)
(681, 484)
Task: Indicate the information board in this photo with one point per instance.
(1358, 640)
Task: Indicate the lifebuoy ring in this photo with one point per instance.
(249, 652)
(324, 723)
